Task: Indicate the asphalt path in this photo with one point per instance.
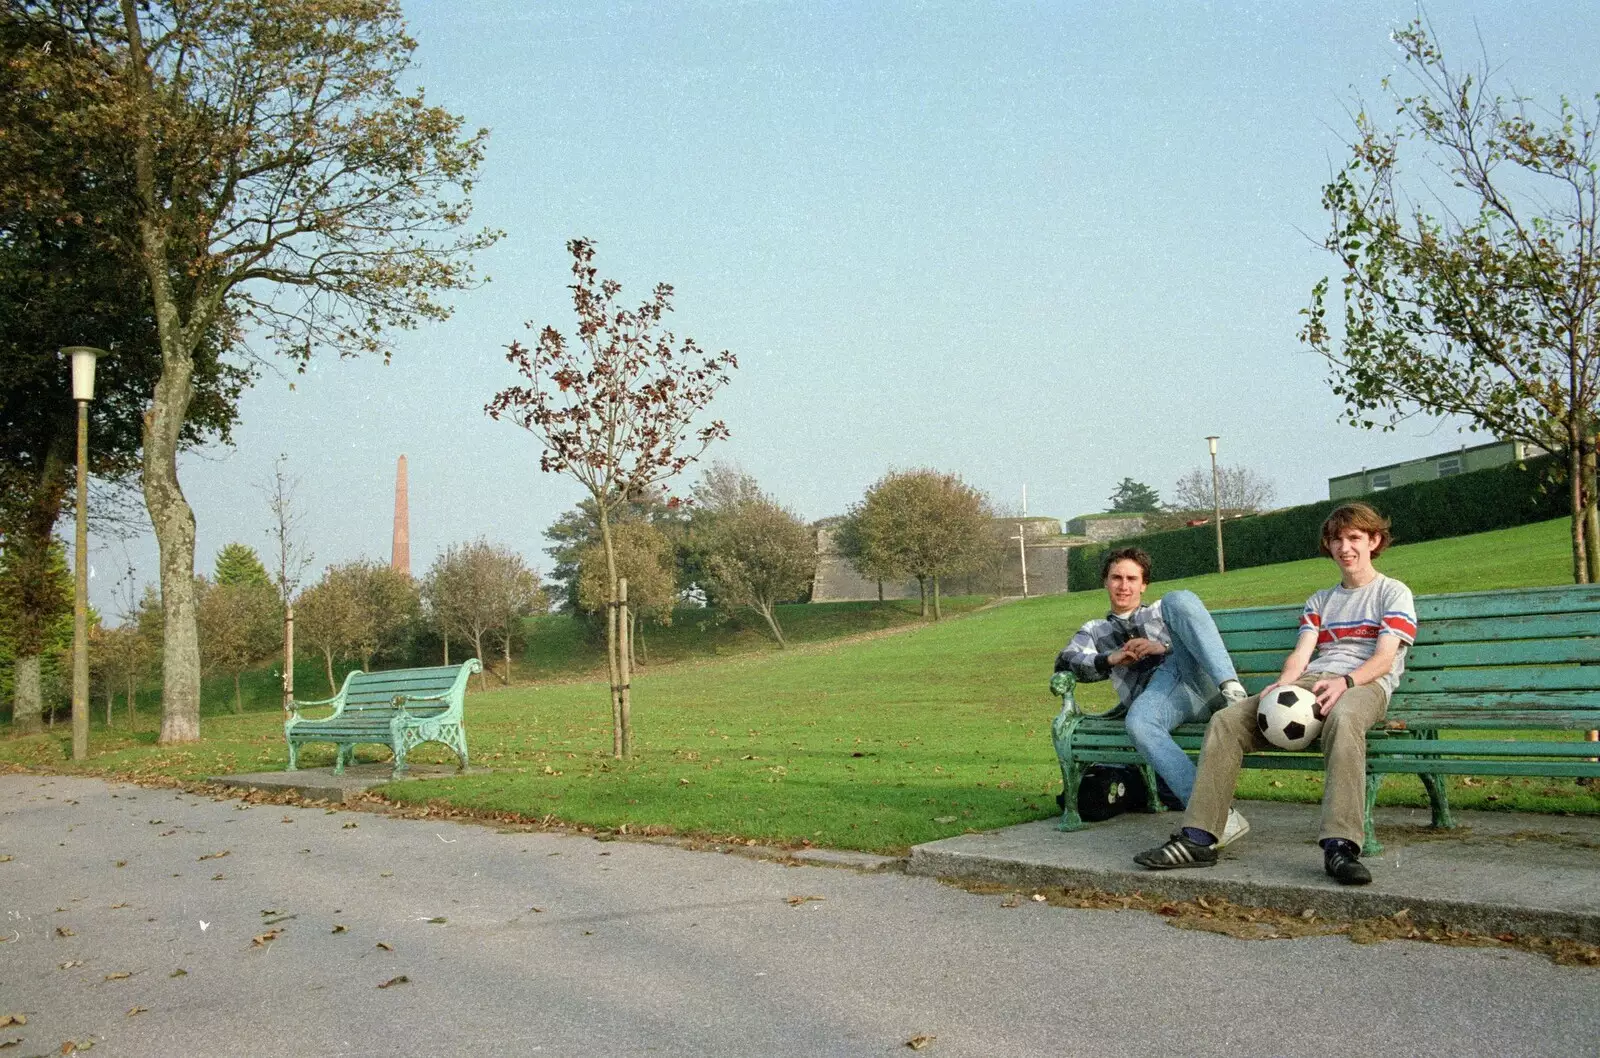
(155, 922)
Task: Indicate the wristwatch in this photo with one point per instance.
(1349, 681)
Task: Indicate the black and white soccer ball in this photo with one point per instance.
(1287, 717)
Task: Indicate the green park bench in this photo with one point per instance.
(1488, 668)
(401, 709)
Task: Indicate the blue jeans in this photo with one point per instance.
(1181, 690)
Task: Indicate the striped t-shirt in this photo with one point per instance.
(1348, 622)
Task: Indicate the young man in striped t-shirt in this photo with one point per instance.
(1350, 654)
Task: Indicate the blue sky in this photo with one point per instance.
(1051, 244)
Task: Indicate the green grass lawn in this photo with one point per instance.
(876, 743)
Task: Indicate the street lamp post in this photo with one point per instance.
(1216, 501)
(83, 360)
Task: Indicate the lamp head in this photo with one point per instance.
(1212, 441)
(83, 361)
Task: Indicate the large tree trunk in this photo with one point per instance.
(173, 520)
(27, 703)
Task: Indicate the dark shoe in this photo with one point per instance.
(1344, 867)
(1177, 852)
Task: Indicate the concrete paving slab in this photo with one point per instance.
(321, 784)
(1496, 872)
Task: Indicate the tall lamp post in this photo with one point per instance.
(83, 361)
(1216, 501)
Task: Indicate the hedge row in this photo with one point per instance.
(1497, 498)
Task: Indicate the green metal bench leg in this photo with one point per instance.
(1439, 799)
(294, 756)
(1152, 792)
(341, 753)
(1061, 729)
(1371, 847)
(1071, 779)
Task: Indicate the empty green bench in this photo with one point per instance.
(401, 709)
(1488, 670)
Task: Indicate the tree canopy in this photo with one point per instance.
(1465, 229)
(923, 524)
(277, 176)
(1134, 497)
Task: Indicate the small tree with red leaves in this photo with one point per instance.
(615, 412)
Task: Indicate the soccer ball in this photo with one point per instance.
(1287, 717)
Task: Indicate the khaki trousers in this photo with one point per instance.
(1232, 733)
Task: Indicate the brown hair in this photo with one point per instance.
(1356, 516)
(1132, 554)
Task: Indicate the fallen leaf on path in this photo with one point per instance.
(348, 826)
(118, 907)
(120, 975)
(179, 972)
(10, 1043)
(136, 1010)
(384, 946)
(261, 940)
(537, 910)
(1039, 898)
(219, 877)
(217, 855)
(401, 980)
(66, 931)
(5, 859)
(338, 929)
(122, 863)
(437, 920)
(272, 911)
(917, 1043)
(1012, 901)
(69, 964)
(796, 901)
(13, 1019)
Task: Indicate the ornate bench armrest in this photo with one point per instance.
(295, 705)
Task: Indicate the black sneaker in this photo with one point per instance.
(1345, 867)
(1177, 852)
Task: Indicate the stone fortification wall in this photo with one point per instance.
(837, 580)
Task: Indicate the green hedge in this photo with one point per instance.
(1497, 498)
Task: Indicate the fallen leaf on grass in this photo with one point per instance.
(917, 1043)
(384, 946)
(261, 940)
(941, 819)
(13, 1019)
(401, 980)
(120, 975)
(338, 929)
(136, 1010)
(217, 855)
(66, 931)
(796, 901)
